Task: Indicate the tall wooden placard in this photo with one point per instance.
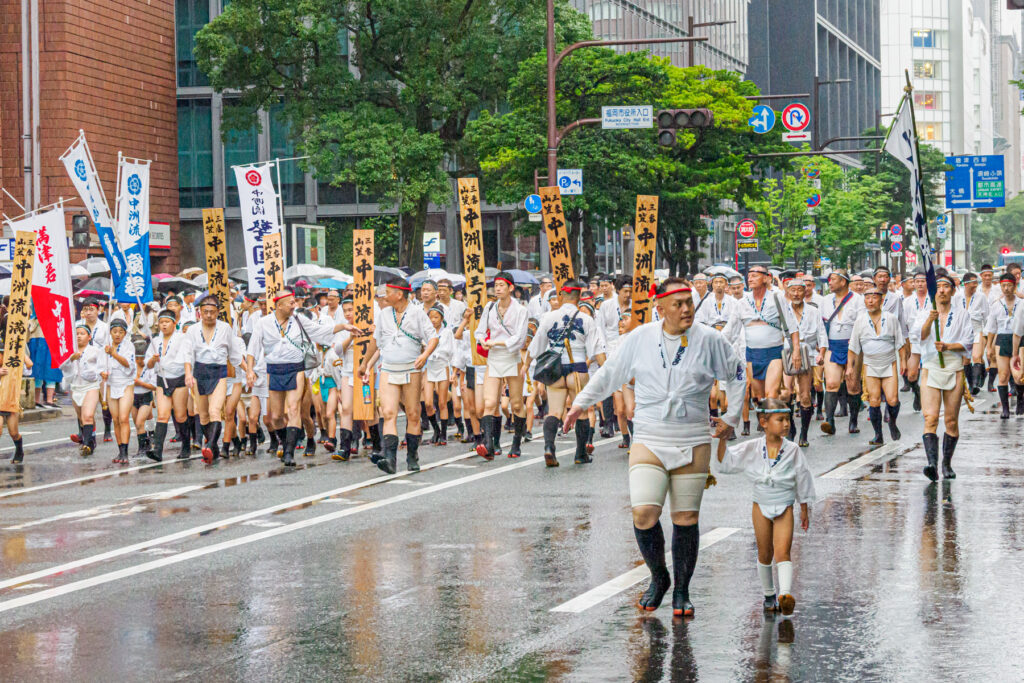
(214, 238)
(17, 321)
(472, 256)
(362, 306)
(273, 265)
(558, 236)
(644, 249)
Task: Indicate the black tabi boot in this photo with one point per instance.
(342, 452)
(1019, 405)
(186, 440)
(260, 436)
(215, 432)
(451, 412)
(106, 425)
(792, 422)
(375, 444)
(19, 451)
(746, 428)
(496, 434)
(969, 375)
(829, 425)
(388, 460)
(205, 439)
(854, 404)
(979, 378)
(551, 426)
(460, 428)
(88, 439)
(122, 454)
(159, 434)
(948, 446)
(893, 412)
(310, 446)
(992, 374)
(652, 546)
(412, 456)
(805, 423)
(685, 545)
(143, 441)
(582, 431)
(875, 416)
(915, 387)
(197, 433)
(1004, 401)
(274, 442)
(443, 434)
(291, 438)
(517, 439)
(906, 385)
(485, 449)
(254, 443)
(608, 410)
(841, 398)
(819, 398)
(931, 451)
(437, 429)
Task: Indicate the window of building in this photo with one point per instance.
(293, 181)
(926, 69)
(929, 131)
(240, 147)
(189, 17)
(924, 38)
(195, 154)
(926, 100)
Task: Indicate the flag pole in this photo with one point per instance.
(909, 90)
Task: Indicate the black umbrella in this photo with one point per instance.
(239, 275)
(175, 284)
(383, 274)
(97, 284)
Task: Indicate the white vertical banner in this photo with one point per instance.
(51, 281)
(258, 202)
(133, 229)
(82, 171)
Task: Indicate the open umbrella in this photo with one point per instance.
(521, 277)
(430, 274)
(202, 280)
(302, 269)
(335, 274)
(382, 274)
(303, 281)
(95, 265)
(99, 284)
(490, 272)
(90, 293)
(333, 284)
(190, 273)
(239, 275)
(175, 284)
(5, 270)
(76, 270)
(161, 276)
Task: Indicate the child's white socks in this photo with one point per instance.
(765, 572)
(785, 577)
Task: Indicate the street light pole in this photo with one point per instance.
(815, 113)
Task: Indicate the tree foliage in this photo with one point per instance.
(395, 121)
(992, 232)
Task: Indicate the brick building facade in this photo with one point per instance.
(106, 67)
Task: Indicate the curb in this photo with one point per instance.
(41, 414)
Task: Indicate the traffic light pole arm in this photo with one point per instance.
(838, 152)
(572, 126)
(634, 41)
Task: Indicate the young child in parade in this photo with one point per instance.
(142, 402)
(82, 369)
(781, 478)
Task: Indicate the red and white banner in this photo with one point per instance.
(258, 203)
(51, 282)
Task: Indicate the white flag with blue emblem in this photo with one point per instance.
(133, 229)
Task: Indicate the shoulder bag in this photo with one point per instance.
(549, 364)
(787, 351)
(309, 358)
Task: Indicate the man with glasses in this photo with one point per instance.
(538, 304)
(764, 317)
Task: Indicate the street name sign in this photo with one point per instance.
(975, 182)
(627, 116)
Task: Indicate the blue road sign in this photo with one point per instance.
(896, 230)
(941, 231)
(976, 182)
(532, 203)
(763, 119)
(896, 247)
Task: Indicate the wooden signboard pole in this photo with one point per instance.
(643, 258)
(214, 237)
(17, 321)
(472, 256)
(558, 236)
(363, 395)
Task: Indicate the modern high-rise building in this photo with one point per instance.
(826, 49)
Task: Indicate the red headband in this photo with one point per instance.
(404, 289)
(671, 292)
(283, 296)
(505, 279)
(571, 289)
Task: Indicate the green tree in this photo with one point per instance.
(393, 124)
(895, 179)
(991, 232)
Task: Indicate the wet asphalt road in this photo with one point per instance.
(502, 571)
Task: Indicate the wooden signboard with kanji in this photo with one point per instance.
(558, 236)
(363, 397)
(644, 249)
(472, 256)
(214, 238)
(273, 266)
(17, 321)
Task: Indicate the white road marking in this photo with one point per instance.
(152, 565)
(886, 451)
(99, 475)
(194, 531)
(634, 576)
(30, 586)
(266, 523)
(103, 509)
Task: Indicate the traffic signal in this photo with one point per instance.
(1004, 250)
(671, 120)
